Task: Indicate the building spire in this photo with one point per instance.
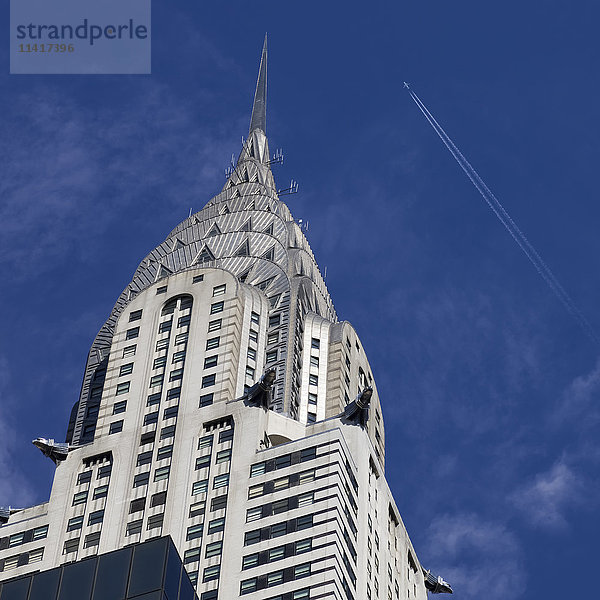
(259, 108)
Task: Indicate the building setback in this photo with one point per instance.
(226, 406)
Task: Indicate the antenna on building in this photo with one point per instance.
(277, 157)
(231, 167)
(293, 189)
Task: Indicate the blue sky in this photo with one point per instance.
(489, 388)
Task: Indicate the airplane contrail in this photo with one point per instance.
(501, 213)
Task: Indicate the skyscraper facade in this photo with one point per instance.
(225, 405)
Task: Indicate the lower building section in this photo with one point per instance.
(149, 571)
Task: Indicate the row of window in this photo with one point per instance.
(278, 553)
(278, 529)
(283, 461)
(24, 537)
(273, 578)
(82, 497)
(282, 483)
(19, 560)
(280, 506)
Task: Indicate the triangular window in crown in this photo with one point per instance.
(251, 206)
(247, 226)
(251, 149)
(245, 177)
(161, 272)
(214, 230)
(244, 276)
(225, 210)
(243, 250)
(196, 220)
(269, 229)
(236, 194)
(177, 245)
(263, 285)
(205, 255)
(268, 208)
(254, 178)
(274, 300)
(230, 184)
(269, 254)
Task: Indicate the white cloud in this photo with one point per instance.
(478, 558)
(545, 500)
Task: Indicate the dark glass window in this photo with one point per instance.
(203, 462)
(77, 580)
(119, 407)
(252, 537)
(170, 412)
(147, 438)
(141, 479)
(194, 532)
(153, 399)
(137, 505)
(134, 527)
(158, 499)
(167, 432)
(136, 315)
(225, 435)
(210, 361)
(164, 452)
(206, 400)
(75, 523)
(144, 458)
(218, 503)
(132, 333)
(84, 477)
(104, 471)
(126, 369)
(111, 578)
(93, 539)
(116, 427)
(100, 492)
(208, 380)
(147, 568)
(155, 521)
(151, 418)
(217, 307)
(216, 525)
(96, 517)
(174, 393)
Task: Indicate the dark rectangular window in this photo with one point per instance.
(137, 505)
(206, 400)
(216, 525)
(278, 529)
(161, 290)
(136, 315)
(153, 399)
(164, 452)
(115, 427)
(132, 333)
(176, 374)
(162, 344)
(147, 438)
(119, 407)
(144, 458)
(151, 418)
(219, 503)
(197, 509)
(75, 523)
(214, 549)
(134, 527)
(210, 361)
(211, 573)
(194, 532)
(71, 546)
(212, 343)
(255, 318)
(122, 388)
(84, 477)
(159, 362)
(178, 356)
(208, 380)
(203, 462)
(198, 278)
(217, 307)
(170, 412)
(274, 320)
(252, 537)
(183, 321)
(162, 473)
(223, 456)
(156, 380)
(283, 461)
(104, 471)
(308, 454)
(304, 522)
(214, 325)
(315, 343)
(225, 435)
(141, 479)
(96, 517)
(129, 351)
(155, 521)
(126, 369)
(167, 432)
(181, 338)
(158, 499)
(250, 560)
(248, 585)
(91, 540)
(173, 393)
(100, 492)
